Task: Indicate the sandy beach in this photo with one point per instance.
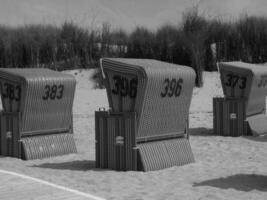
(225, 168)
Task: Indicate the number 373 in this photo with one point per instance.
(235, 80)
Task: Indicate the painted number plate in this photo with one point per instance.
(124, 86)
(236, 81)
(10, 91)
(172, 87)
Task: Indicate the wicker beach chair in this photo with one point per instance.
(242, 110)
(149, 103)
(36, 120)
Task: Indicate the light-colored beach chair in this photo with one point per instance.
(242, 110)
(147, 125)
(36, 120)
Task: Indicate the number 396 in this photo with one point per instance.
(172, 87)
(124, 87)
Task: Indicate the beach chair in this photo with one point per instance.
(146, 127)
(36, 120)
(242, 109)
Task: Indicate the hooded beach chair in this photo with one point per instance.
(36, 120)
(146, 127)
(242, 109)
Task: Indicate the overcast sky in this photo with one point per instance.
(126, 14)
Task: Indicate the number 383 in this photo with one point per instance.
(53, 92)
(12, 92)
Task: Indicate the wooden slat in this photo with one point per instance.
(3, 135)
(16, 136)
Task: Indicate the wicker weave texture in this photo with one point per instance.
(167, 153)
(10, 137)
(229, 117)
(42, 96)
(117, 102)
(47, 146)
(116, 146)
(115, 141)
(159, 111)
(247, 81)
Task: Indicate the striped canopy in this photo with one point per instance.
(245, 81)
(43, 97)
(159, 92)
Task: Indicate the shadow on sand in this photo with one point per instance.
(81, 165)
(241, 182)
(201, 132)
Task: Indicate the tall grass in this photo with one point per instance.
(189, 43)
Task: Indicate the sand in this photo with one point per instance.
(225, 168)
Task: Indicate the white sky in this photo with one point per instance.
(120, 13)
